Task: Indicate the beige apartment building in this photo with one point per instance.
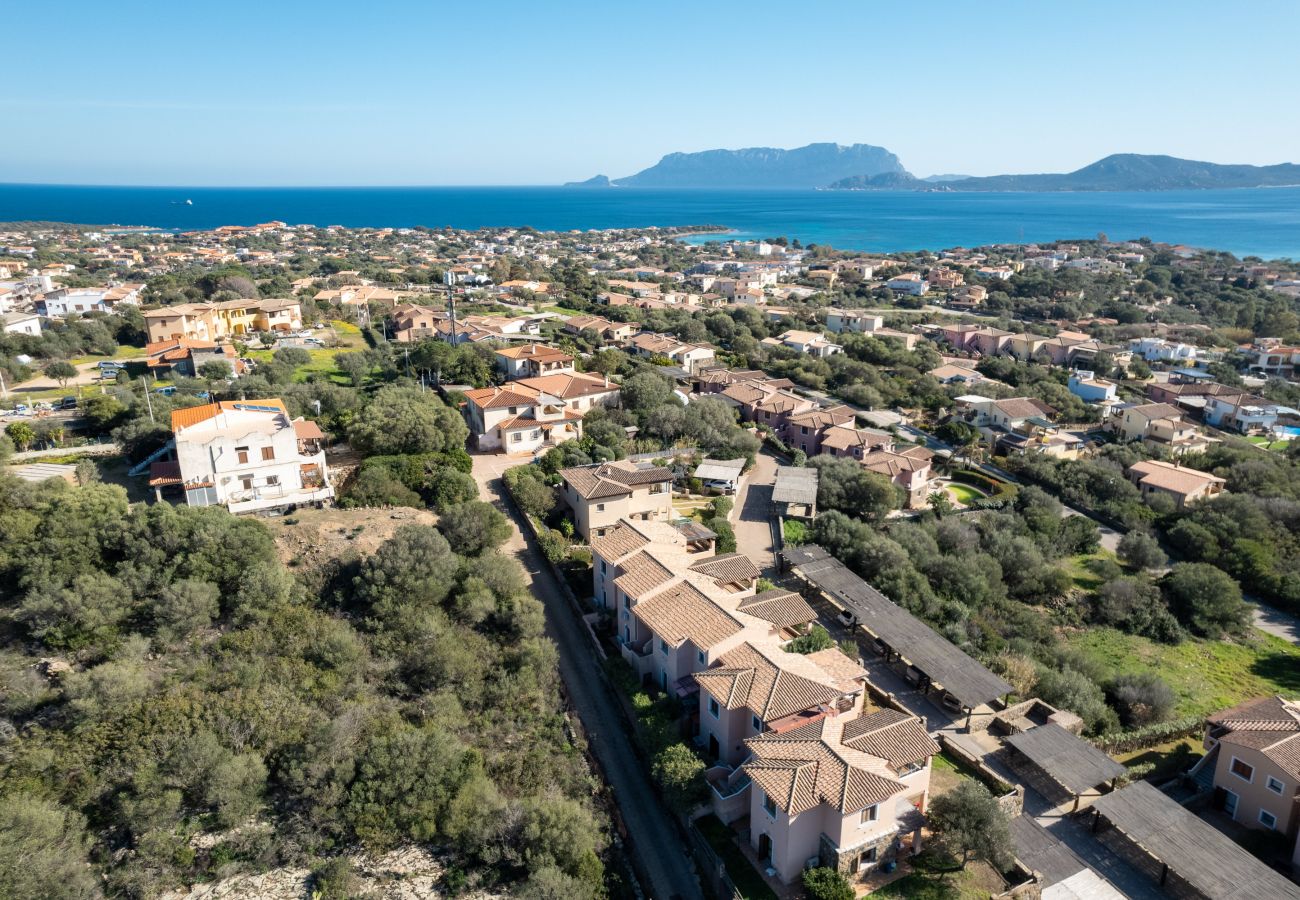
(850, 792)
(1253, 762)
(601, 495)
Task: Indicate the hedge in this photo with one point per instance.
(1149, 735)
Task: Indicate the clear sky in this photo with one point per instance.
(388, 92)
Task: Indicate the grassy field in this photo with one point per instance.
(562, 311)
(1205, 675)
(123, 352)
(1080, 574)
(322, 360)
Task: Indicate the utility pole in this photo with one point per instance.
(147, 400)
(4, 390)
(449, 279)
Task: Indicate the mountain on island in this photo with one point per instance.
(864, 167)
(1119, 172)
(813, 166)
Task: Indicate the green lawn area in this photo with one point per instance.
(1080, 574)
(322, 360)
(1205, 675)
(123, 352)
(1264, 443)
(747, 879)
(562, 310)
(932, 879)
(1169, 758)
(964, 493)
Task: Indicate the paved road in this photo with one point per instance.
(753, 514)
(1276, 622)
(654, 838)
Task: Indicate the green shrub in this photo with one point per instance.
(824, 883)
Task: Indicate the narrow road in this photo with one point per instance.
(753, 514)
(1275, 622)
(653, 837)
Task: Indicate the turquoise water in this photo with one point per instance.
(1261, 222)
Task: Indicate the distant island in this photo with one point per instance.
(863, 167)
(596, 181)
(813, 166)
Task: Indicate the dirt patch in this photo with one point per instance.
(410, 874)
(313, 538)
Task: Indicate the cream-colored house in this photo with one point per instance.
(533, 361)
(678, 606)
(603, 494)
(526, 415)
(245, 456)
(1253, 761)
(758, 687)
(1157, 425)
(1186, 486)
(850, 792)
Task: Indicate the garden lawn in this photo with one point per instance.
(1205, 675)
(562, 311)
(964, 493)
(976, 882)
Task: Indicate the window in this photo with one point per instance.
(1230, 804)
(602, 567)
(699, 655)
(516, 435)
(1275, 786)
(663, 647)
(242, 453)
(870, 856)
(871, 814)
(268, 453)
(600, 507)
(714, 709)
(246, 481)
(1244, 771)
(769, 806)
(1267, 819)
(273, 480)
(757, 723)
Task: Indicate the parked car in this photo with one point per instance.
(166, 391)
(68, 403)
(847, 618)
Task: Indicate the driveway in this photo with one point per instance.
(654, 840)
(752, 514)
(87, 373)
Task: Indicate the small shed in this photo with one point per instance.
(795, 493)
(720, 474)
(1054, 760)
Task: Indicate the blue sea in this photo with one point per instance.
(1260, 222)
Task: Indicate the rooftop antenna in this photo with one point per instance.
(449, 279)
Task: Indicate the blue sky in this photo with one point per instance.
(385, 92)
